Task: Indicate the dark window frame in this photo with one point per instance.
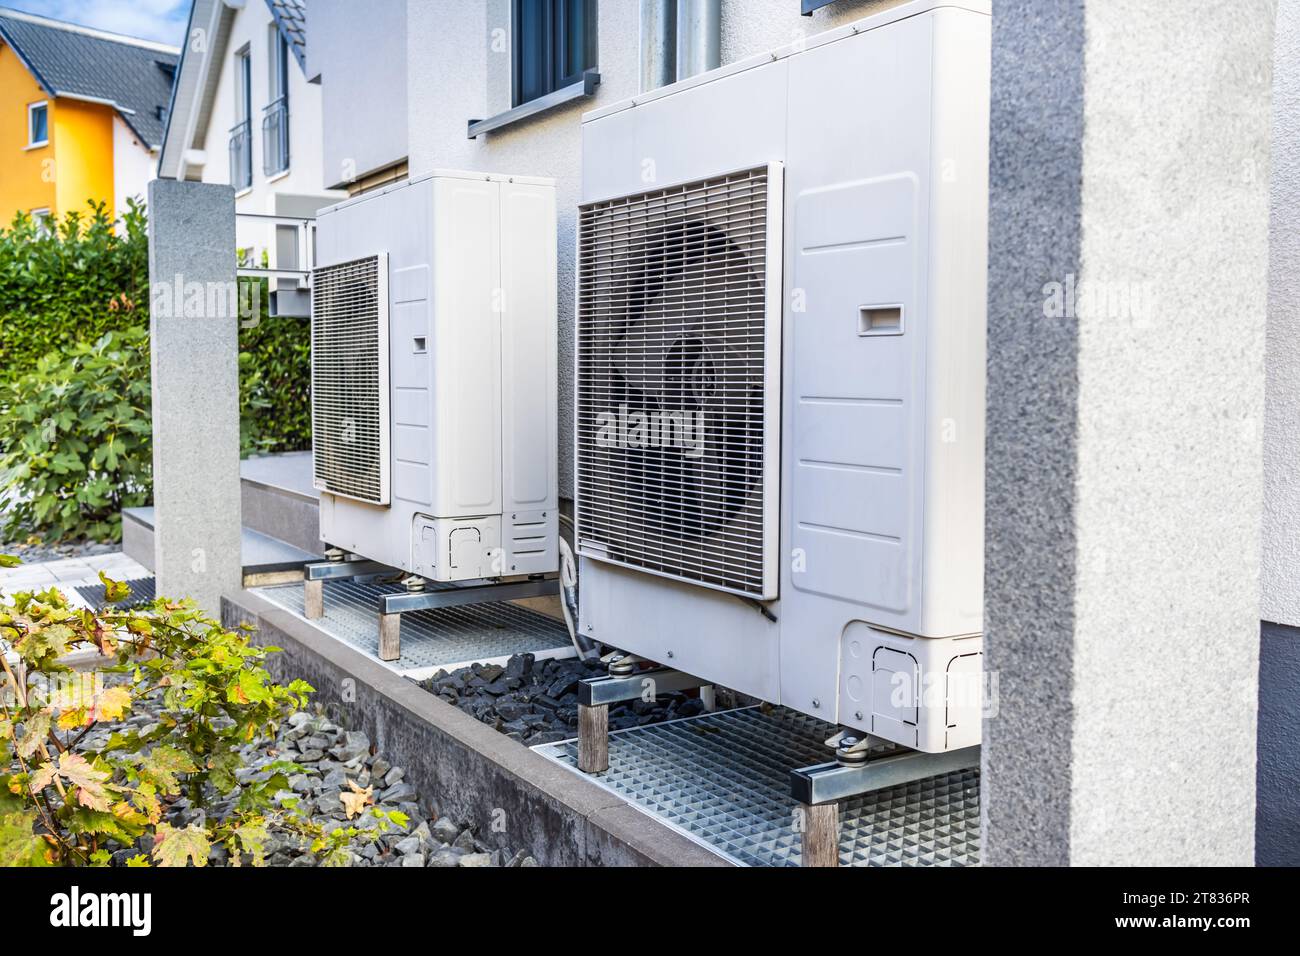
(553, 49)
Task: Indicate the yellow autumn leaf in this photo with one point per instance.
(72, 718)
(355, 802)
(124, 811)
(111, 704)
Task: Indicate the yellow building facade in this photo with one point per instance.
(103, 99)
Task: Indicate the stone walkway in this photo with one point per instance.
(67, 573)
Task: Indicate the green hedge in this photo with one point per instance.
(69, 284)
(74, 308)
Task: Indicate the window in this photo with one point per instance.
(554, 43)
(241, 134)
(275, 118)
(38, 124)
(41, 219)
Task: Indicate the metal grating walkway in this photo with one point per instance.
(430, 639)
(722, 779)
(142, 592)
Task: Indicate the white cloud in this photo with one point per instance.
(162, 20)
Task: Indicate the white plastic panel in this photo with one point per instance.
(467, 340)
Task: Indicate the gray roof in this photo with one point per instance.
(135, 76)
(291, 17)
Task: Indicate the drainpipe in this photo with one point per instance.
(699, 36)
(658, 43)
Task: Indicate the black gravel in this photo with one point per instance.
(536, 702)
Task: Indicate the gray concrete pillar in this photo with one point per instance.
(1127, 279)
(194, 326)
(1277, 819)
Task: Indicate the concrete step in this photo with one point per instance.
(261, 553)
(278, 500)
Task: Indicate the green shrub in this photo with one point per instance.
(71, 283)
(75, 406)
(75, 440)
(65, 802)
(274, 385)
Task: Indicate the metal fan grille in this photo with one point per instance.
(349, 359)
(675, 408)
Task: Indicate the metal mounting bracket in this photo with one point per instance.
(595, 694)
(819, 788)
(392, 606)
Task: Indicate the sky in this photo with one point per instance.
(162, 20)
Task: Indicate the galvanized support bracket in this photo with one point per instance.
(471, 594)
(393, 606)
(615, 689)
(337, 570)
(819, 788)
(832, 781)
(595, 694)
(315, 575)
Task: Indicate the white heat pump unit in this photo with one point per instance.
(434, 376)
(780, 374)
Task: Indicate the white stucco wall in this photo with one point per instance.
(456, 72)
(299, 191)
(1281, 549)
(133, 166)
(361, 60)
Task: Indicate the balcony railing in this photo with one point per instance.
(241, 155)
(275, 137)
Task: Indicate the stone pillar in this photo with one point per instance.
(1127, 281)
(1277, 819)
(194, 325)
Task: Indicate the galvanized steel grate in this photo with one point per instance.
(431, 638)
(723, 780)
(349, 378)
(677, 380)
(142, 591)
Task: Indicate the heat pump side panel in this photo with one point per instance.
(466, 348)
(952, 597)
(853, 460)
(399, 222)
(707, 633)
(529, 385)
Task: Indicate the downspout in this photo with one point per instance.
(699, 36)
(658, 43)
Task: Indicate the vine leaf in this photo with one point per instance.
(355, 802)
(89, 782)
(174, 847)
(37, 728)
(111, 704)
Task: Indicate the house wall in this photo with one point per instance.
(355, 57)
(1278, 810)
(26, 175)
(300, 190)
(457, 73)
(133, 165)
(82, 134)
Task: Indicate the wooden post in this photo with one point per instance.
(593, 738)
(709, 697)
(390, 637)
(821, 835)
(313, 599)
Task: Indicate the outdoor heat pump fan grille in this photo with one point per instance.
(349, 378)
(678, 375)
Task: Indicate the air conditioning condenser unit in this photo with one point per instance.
(780, 374)
(434, 376)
